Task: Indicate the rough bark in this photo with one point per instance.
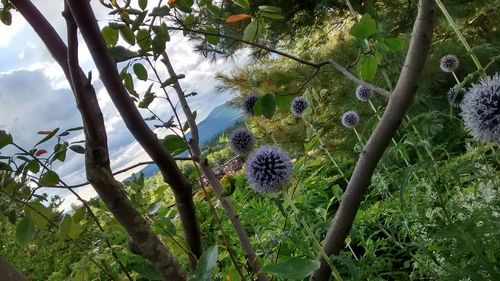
(97, 163)
(399, 103)
(9, 273)
(87, 24)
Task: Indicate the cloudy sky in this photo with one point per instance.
(34, 94)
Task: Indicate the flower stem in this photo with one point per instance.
(455, 28)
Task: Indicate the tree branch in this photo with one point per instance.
(318, 65)
(97, 158)
(86, 21)
(10, 273)
(212, 179)
(379, 140)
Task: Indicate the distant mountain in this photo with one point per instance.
(220, 119)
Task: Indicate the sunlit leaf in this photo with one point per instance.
(365, 28)
(242, 3)
(64, 227)
(367, 67)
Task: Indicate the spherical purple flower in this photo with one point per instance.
(268, 169)
(481, 109)
(350, 119)
(363, 93)
(449, 63)
(455, 98)
(241, 140)
(248, 103)
(299, 105)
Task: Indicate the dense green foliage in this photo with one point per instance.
(431, 212)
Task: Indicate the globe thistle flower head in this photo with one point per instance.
(299, 105)
(268, 169)
(241, 140)
(449, 63)
(481, 109)
(455, 99)
(363, 93)
(350, 119)
(248, 103)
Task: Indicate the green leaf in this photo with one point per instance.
(47, 137)
(138, 21)
(60, 150)
(33, 166)
(120, 53)
(292, 268)
(252, 31)
(5, 167)
(186, 124)
(145, 268)
(174, 144)
(41, 214)
(6, 16)
(64, 227)
(184, 5)
(268, 105)
(144, 39)
(189, 21)
(128, 82)
(242, 3)
(172, 80)
(5, 138)
(75, 230)
(147, 100)
(272, 16)
(206, 265)
(394, 44)
(25, 230)
(284, 102)
(140, 71)
(160, 11)
(110, 36)
(160, 39)
(367, 67)
(143, 4)
(270, 9)
(128, 35)
(365, 28)
(79, 214)
(212, 39)
(78, 149)
(50, 178)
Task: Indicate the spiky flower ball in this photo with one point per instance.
(248, 103)
(449, 63)
(350, 119)
(455, 100)
(363, 93)
(268, 169)
(299, 105)
(481, 109)
(241, 140)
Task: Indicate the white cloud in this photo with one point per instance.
(34, 94)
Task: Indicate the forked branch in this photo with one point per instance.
(380, 139)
